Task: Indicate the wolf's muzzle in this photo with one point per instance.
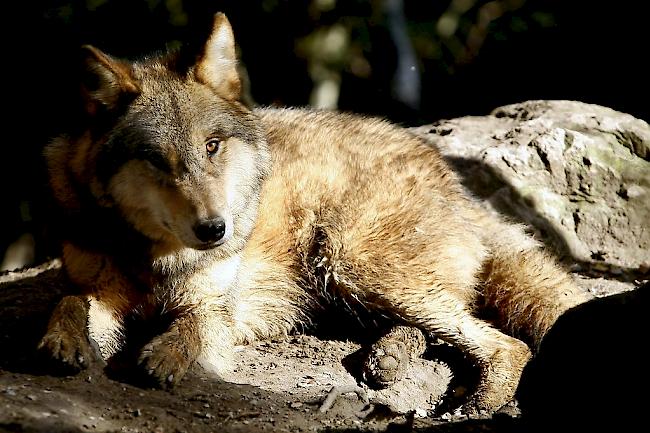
(211, 230)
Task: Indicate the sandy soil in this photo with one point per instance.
(278, 385)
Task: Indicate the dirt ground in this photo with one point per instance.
(277, 387)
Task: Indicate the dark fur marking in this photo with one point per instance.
(135, 141)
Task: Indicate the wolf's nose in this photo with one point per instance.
(211, 230)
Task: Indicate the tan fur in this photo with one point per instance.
(319, 205)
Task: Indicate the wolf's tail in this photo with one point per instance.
(524, 286)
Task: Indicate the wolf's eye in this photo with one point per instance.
(212, 146)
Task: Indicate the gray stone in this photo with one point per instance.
(580, 173)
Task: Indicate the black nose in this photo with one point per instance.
(211, 230)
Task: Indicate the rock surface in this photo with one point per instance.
(579, 172)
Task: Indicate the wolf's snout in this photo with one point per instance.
(210, 230)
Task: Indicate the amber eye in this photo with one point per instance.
(212, 146)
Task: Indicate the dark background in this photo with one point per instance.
(463, 57)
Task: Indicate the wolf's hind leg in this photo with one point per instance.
(389, 358)
(439, 308)
(499, 357)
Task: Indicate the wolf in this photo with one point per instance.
(235, 224)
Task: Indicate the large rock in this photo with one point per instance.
(579, 172)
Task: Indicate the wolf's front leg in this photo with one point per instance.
(66, 340)
(167, 357)
(89, 326)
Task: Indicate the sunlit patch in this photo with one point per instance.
(104, 327)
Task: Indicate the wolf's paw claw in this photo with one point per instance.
(475, 407)
(164, 361)
(70, 353)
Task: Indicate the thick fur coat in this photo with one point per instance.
(235, 224)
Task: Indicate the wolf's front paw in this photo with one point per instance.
(70, 351)
(66, 341)
(166, 359)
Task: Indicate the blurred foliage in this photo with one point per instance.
(412, 61)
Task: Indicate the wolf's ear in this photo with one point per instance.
(107, 80)
(217, 63)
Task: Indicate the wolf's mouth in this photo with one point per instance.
(204, 247)
(210, 245)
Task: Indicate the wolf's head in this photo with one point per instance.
(169, 144)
